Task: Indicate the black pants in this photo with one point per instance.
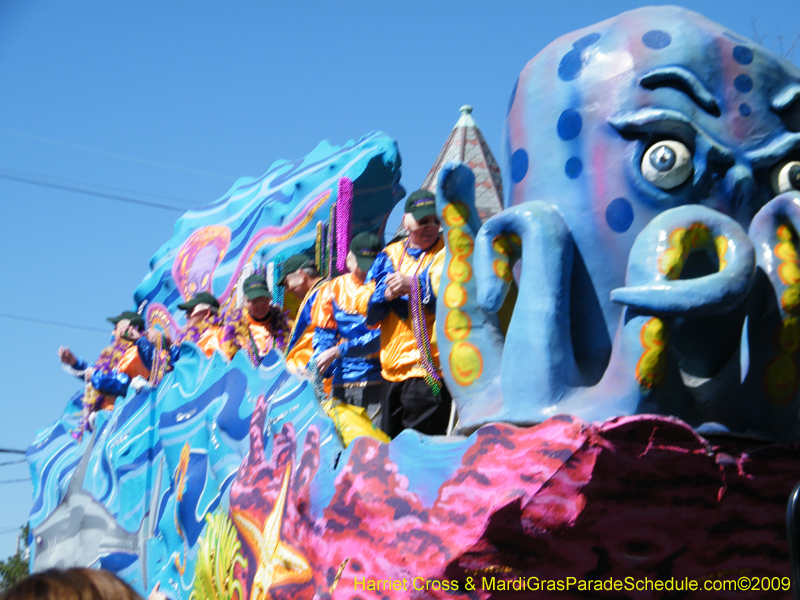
(410, 404)
(359, 396)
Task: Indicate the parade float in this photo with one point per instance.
(636, 420)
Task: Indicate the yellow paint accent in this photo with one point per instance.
(781, 379)
(457, 325)
(456, 214)
(455, 296)
(466, 363)
(502, 270)
(789, 335)
(180, 472)
(460, 242)
(501, 245)
(790, 299)
(652, 365)
(459, 271)
(721, 244)
(318, 202)
(682, 242)
(788, 270)
(786, 251)
(789, 273)
(784, 233)
(781, 376)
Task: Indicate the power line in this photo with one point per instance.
(69, 188)
(12, 462)
(4, 481)
(12, 530)
(8, 451)
(88, 185)
(52, 324)
(115, 155)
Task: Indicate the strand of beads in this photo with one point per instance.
(316, 380)
(277, 290)
(90, 398)
(253, 353)
(344, 206)
(332, 225)
(420, 328)
(157, 368)
(319, 247)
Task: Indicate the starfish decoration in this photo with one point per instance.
(278, 563)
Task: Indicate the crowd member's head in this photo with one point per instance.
(420, 219)
(363, 249)
(201, 307)
(71, 584)
(257, 297)
(298, 274)
(127, 325)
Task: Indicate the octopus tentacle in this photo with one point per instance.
(661, 250)
(539, 332)
(469, 339)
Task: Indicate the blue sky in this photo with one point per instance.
(170, 102)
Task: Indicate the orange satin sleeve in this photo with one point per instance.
(297, 359)
(361, 300)
(322, 309)
(211, 340)
(131, 364)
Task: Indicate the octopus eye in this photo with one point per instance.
(667, 164)
(786, 177)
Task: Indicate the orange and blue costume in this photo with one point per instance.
(337, 321)
(399, 353)
(300, 347)
(137, 361)
(408, 401)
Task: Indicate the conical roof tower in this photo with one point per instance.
(467, 144)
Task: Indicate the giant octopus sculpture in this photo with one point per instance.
(652, 225)
(654, 202)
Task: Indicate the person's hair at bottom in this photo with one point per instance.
(71, 584)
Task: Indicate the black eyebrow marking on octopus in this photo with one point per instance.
(684, 81)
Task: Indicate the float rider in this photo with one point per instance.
(342, 339)
(414, 395)
(300, 277)
(130, 355)
(203, 326)
(262, 324)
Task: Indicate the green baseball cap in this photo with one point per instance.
(294, 263)
(421, 204)
(200, 298)
(366, 247)
(135, 319)
(255, 287)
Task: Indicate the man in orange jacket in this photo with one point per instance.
(414, 395)
(342, 339)
(203, 326)
(299, 276)
(262, 324)
(131, 354)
